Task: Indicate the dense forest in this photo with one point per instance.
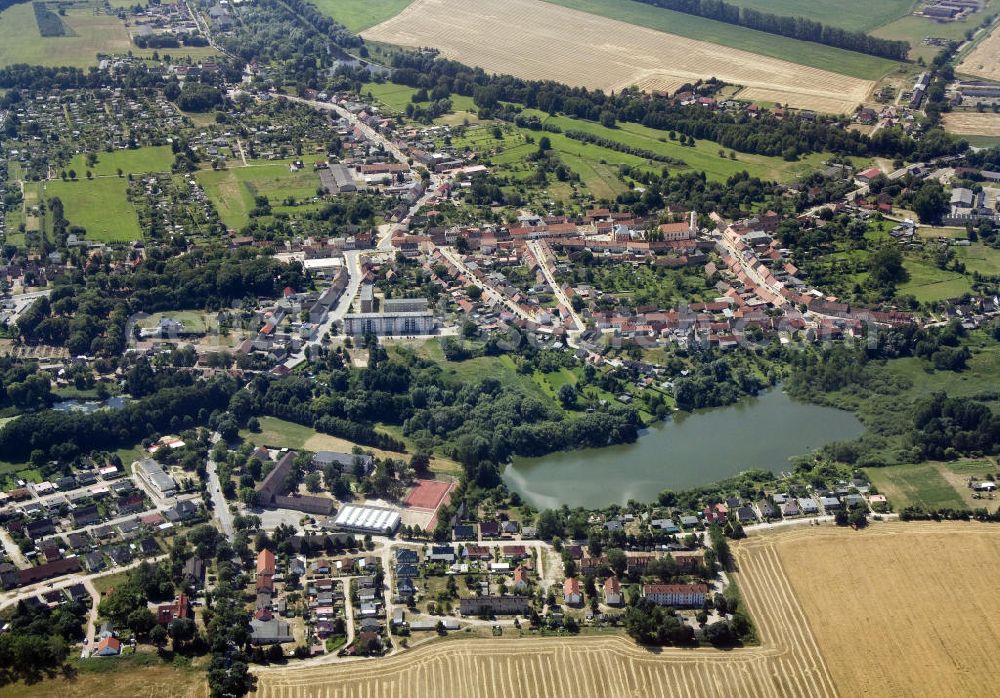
(792, 27)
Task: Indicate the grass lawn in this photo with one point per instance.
(857, 65)
(233, 190)
(928, 283)
(20, 41)
(358, 15)
(153, 159)
(921, 484)
(99, 205)
(855, 15)
(279, 433)
(193, 320)
(396, 97)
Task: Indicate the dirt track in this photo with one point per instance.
(538, 40)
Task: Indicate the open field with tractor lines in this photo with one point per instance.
(984, 61)
(972, 123)
(528, 38)
(895, 601)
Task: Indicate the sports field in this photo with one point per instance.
(427, 494)
(527, 38)
(88, 34)
(903, 609)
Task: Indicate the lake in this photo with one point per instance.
(687, 451)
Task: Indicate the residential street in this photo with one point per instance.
(220, 509)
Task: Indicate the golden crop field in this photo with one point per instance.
(968, 123)
(538, 40)
(901, 609)
(984, 61)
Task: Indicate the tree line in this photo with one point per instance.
(790, 136)
(799, 28)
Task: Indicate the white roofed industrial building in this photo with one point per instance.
(362, 519)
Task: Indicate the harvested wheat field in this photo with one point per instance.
(972, 123)
(984, 61)
(902, 609)
(537, 40)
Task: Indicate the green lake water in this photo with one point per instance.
(685, 452)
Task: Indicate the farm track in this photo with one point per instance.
(529, 39)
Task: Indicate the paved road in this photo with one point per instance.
(490, 293)
(220, 509)
(544, 259)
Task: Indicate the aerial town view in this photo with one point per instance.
(478, 349)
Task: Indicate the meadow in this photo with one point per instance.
(152, 159)
(100, 205)
(279, 433)
(358, 15)
(928, 283)
(233, 190)
(88, 35)
(805, 53)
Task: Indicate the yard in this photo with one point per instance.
(932, 485)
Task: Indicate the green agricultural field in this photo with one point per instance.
(855, 15)
(233, 190)
(928, 283)
(99, 205)
(922, 484)
(153, 159)
(89, 34)
(850, 63)
(358, 15)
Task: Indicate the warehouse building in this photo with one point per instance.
(362, 519)
(152, 474)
